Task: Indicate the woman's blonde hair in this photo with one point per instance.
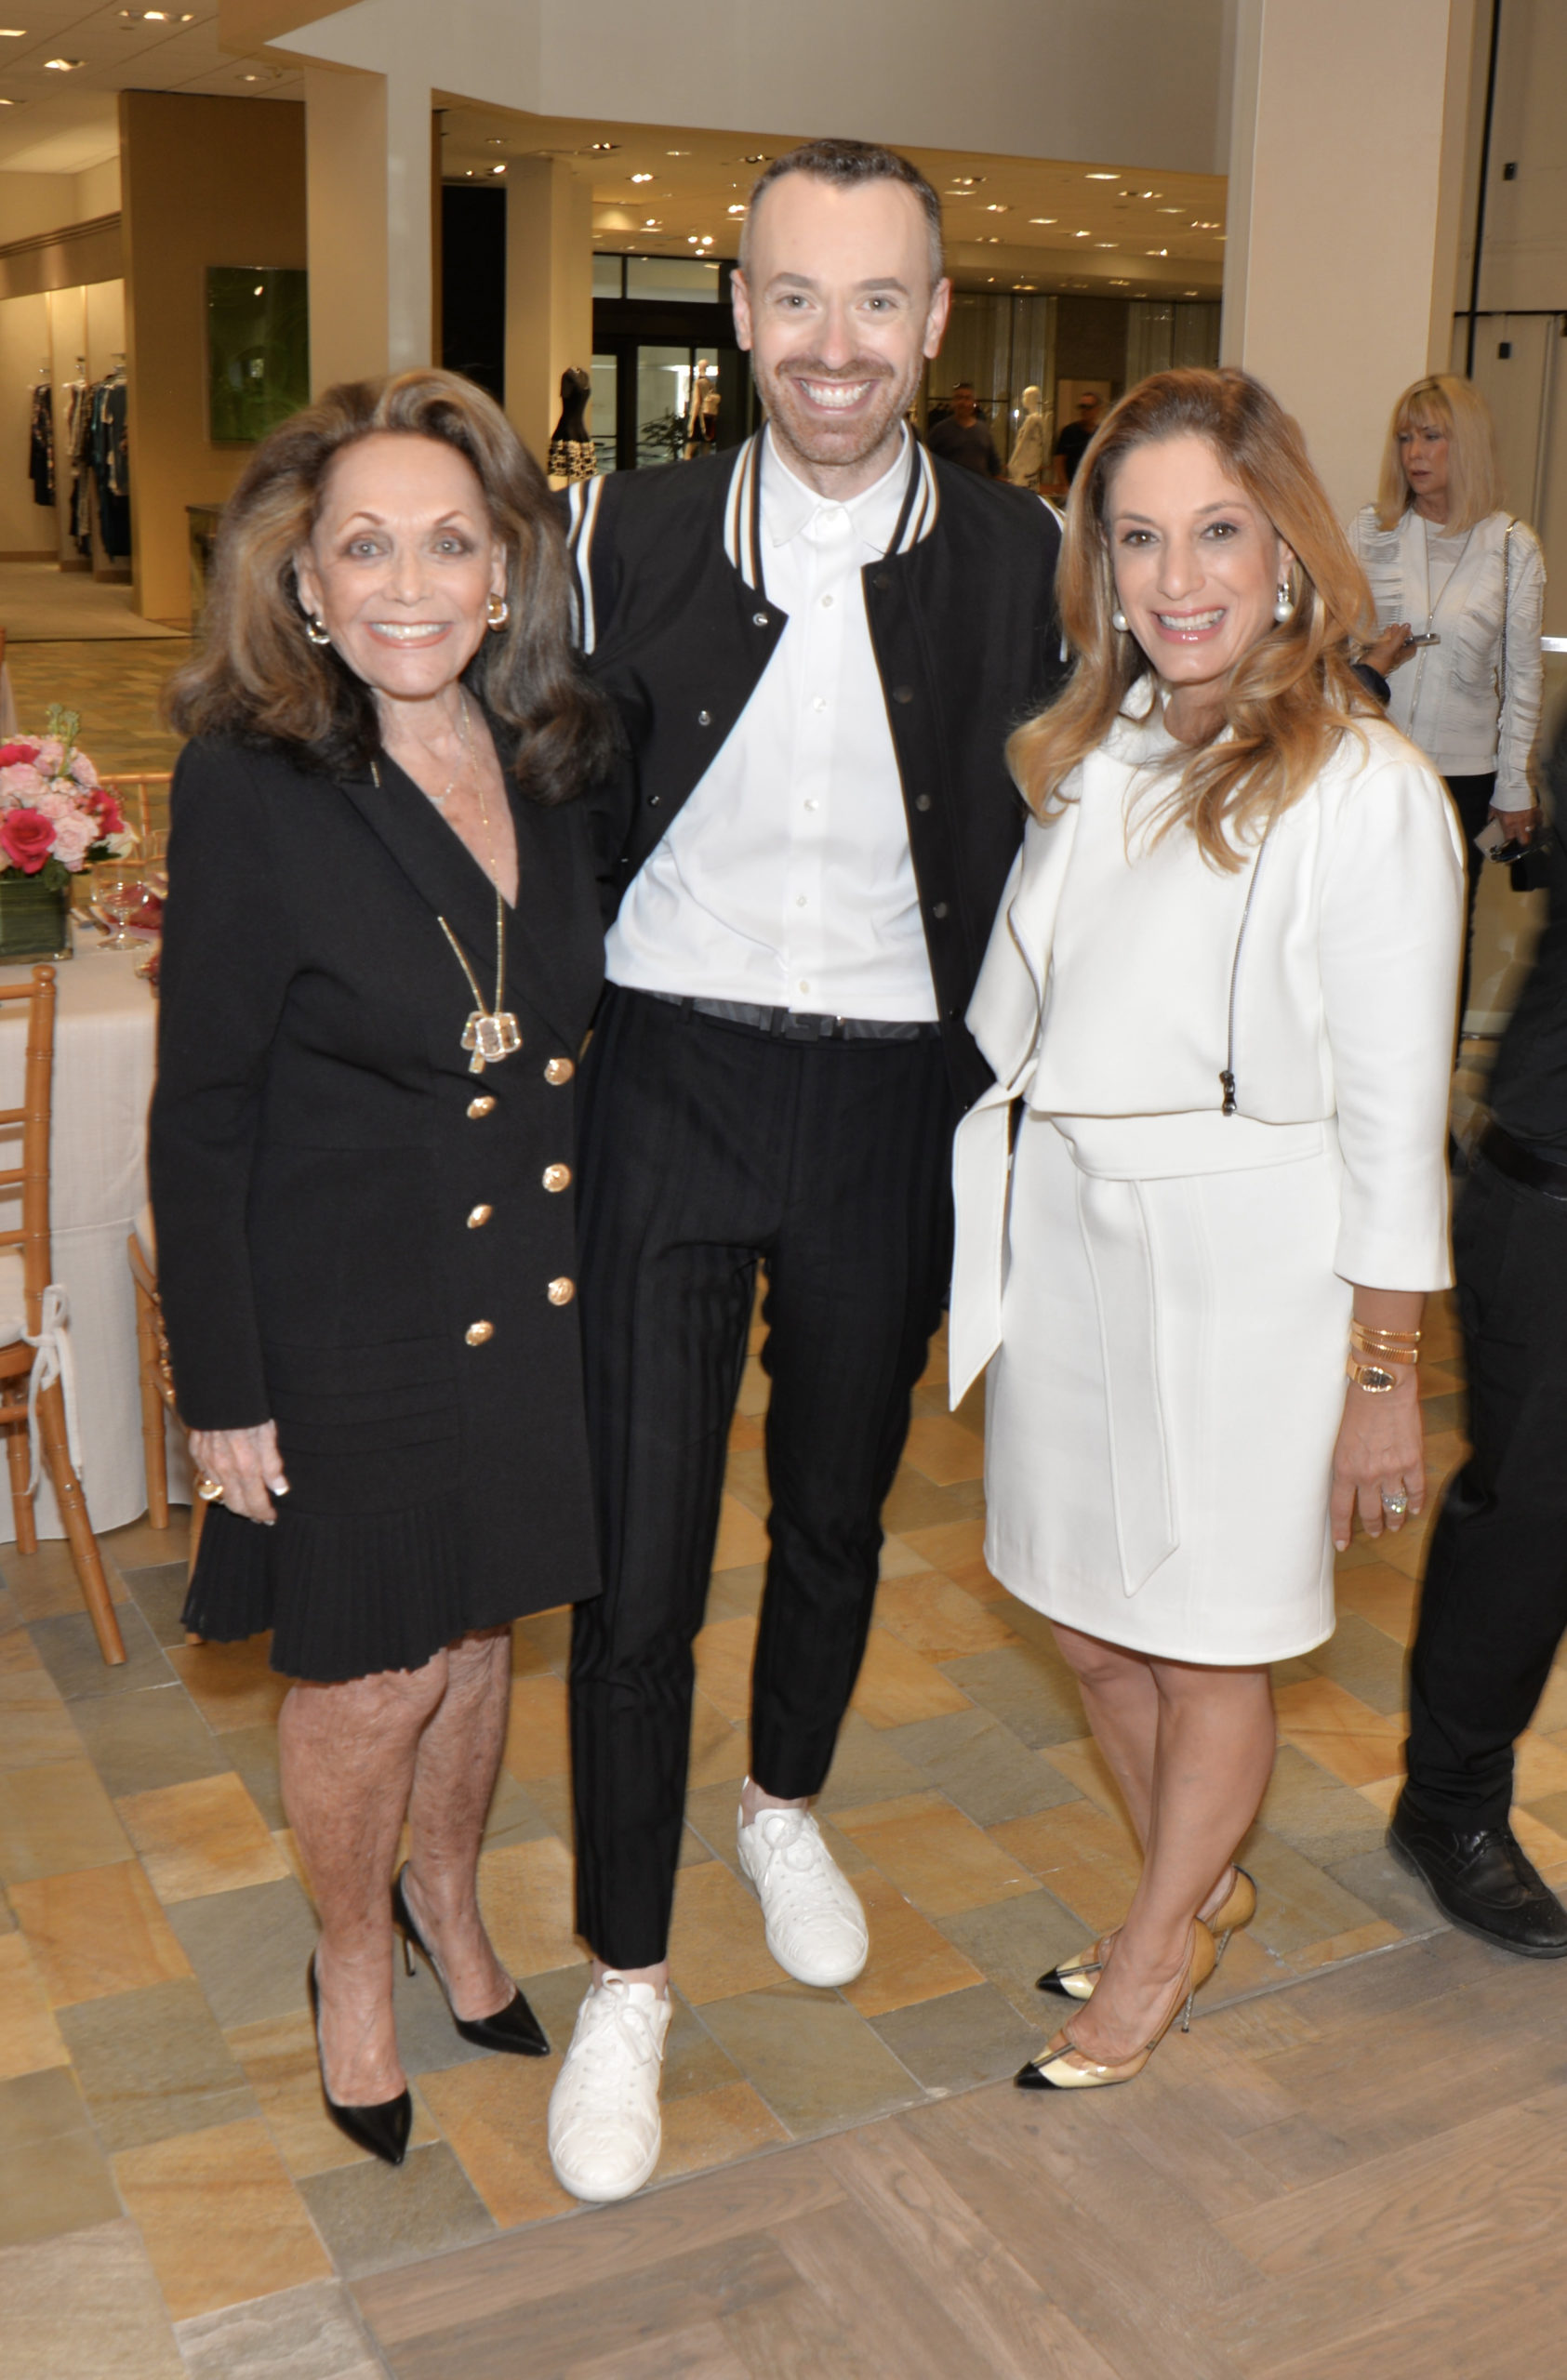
(1289, 696)
(259, 677)
(1474, 475)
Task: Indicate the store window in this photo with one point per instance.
(605, 410)
(688, 279)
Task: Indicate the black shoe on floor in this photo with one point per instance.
(1482, 1882)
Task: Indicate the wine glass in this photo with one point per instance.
(116, 892)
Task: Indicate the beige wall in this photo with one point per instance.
(205, 181)
(1342, 256)
(549, 291)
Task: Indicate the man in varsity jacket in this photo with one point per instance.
(817, 645)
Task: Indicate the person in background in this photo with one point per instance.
(1031, 449)
(961, 437)
(1209, 1179)
(1458, 588)
(1494, 1605)
(1078, 436)
(381, 952)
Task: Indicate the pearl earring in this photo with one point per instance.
(497, 611)
(1118, 621)
(317, 630)
(1283, 604)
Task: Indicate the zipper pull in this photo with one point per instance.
(1227, 1080)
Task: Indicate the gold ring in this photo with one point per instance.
(210, 1491)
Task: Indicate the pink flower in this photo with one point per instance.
(106, 810)
(75, 836)
(82, 769)
(27, 838)
(20, 782)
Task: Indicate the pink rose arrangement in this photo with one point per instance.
(55, 817)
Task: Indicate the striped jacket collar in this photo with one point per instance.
(742, 522)
(742, 512)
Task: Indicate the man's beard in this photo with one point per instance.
(826, 442)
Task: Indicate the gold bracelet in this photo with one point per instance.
(1382, 1347)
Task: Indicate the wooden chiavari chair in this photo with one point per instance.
(31, 1383)
(133, 790)
(157, 1383)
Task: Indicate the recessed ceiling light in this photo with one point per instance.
(736, 210)
(651, 223)
(497, 169)
(13, 32)
(1189, 293)
(62, 65)
(1083, 235)
(1139, 193)
(1172, 210)
(1205, 227)
(1101, 178)
(259, 290)
(1156, 252)
(642, 177)
(1107, 244)
(997, 206)
(677, 153)
(966, 181)
(757, 157)
(261, 75)
(1044, 218)
(601, 148)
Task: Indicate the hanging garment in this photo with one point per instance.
(41, 444)
(78, 422)
(571, 448)
(111, 467)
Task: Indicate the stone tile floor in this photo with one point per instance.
(165, 2162)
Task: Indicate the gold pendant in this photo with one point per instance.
(490, 1038)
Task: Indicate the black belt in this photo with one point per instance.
(792, 1024)
(1499, 1148)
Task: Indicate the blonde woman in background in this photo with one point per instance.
(1218, 999)
(1458, 587)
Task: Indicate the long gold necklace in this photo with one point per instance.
(490, 1033)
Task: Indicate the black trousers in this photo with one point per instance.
(1494, 1602)
(1472, 797)
(706, 1148)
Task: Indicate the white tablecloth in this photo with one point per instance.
(105, 1038)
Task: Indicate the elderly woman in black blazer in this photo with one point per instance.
(382, 952)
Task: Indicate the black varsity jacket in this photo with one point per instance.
(677, 626)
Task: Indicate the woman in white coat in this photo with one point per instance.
(1218, 1004)
(1459, 588)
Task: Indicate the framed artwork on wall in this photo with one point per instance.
(257, 349)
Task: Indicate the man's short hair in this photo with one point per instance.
(845, 164)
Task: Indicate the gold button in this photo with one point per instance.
(561, 1292)
(483, 1105)
(478, 1217)
(477, 1332)
(557, 1177)
(559, 1070)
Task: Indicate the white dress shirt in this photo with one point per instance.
(786, 879)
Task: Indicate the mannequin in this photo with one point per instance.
(571, 448)
(701, 419)
(1031, 449)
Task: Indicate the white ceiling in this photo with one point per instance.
(1012, 222)
(62, 122)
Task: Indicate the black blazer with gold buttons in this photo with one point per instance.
(357, 1236)
(677, 626)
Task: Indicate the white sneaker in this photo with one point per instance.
(815, 1926)
(604, 2110)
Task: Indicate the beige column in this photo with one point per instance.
(1345, 182)
(367, 148)
(549, 291)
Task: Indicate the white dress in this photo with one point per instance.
(1166, 1289)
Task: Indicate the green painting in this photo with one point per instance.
(257, 349)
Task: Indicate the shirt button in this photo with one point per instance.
(938, 908)
(903, 693)
(759, 619)
(559, 1070)
(704, 719)
(800, 900)
(922, 801)
(819, 702)
(805, 987)
(478, 1217)
(557, 1177)
(813, 804)
(477, 1332)
(560, 1292)
(483, 1105)
(827, 602)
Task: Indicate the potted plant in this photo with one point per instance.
(54, 820)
